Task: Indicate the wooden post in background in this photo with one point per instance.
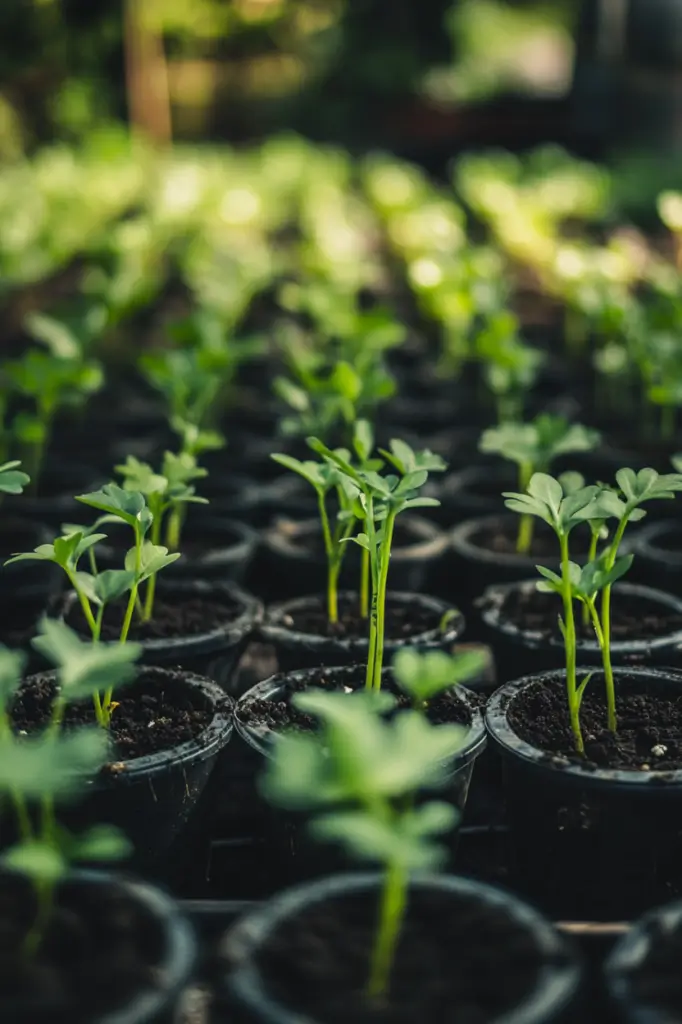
(146, 73)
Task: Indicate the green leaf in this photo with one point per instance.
(363, 440)
(36, 767)
(423, 675)
(421, 503)
(101, 843)
(361, 539)
(546, 489)
(128, 506)
(11, 668)
(38, 860)
(310, 471)
(111, 584)
(153, 558)
(59, 339)
(12, 481)
(83, 667)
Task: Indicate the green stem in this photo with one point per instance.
(148, 607)
(609, 683)
(173, 529)
(570, 647)
(385, 560)
(84, 603)
(364, 584)
(332, 568)
(591, 555)
(371, 536)
(125, 629)
(524, 538)
(44, 895)
(392, 912)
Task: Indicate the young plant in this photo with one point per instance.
(381, 499)
(510, 366)
(12, 480)
(40, 770)
(534, 447)
(424, 675)
(360, 774)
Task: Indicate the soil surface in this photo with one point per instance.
(99, 951)
(279, 714)
(197, 543)
(649, 735)
(155, 713)
(632, 618)
(658, 982)
(317, 963)
(184, 615)
(501, 540)
(312, 543)
(402, 620)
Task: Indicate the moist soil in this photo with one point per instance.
(155, 713)
(501, 540)
(632, 618)
(99, 951)
(402, 620)
(316, 963)
(279, 713)
(186, 615)
(649, 735)
(658, 982)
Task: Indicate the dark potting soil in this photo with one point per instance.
(99, 951)
(279, 714)
(153, 714)
(632, 618)
(317, 963)
(649, 735)
(185, 615)
(501, 540)
(402, 620)
(658, 981)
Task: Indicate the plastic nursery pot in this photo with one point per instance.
(658, 555)
(200, 625)
(213, 548)
(474, 930)
(646, 629)
(55, 501)
(25, 580)
(122, 925)
(253, 723)
(439, 626)
(472, 492)
(642, 972)
(484, 552)
(589, 843)
(153, 797)
(293, 562)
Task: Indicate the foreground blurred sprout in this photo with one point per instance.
(360, 774)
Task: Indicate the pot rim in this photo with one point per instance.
(216, 734)
(631, 952)
(460, 539)
(557, 984)
(179, 954)
(431, 541)
(502, 734)
(244, 540)
(262, 738)
(273, 630)
(644, 543)
(490, 606)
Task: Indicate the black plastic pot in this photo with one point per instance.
(177, 955)
(555, 993)
(297, 650)
(474, 567)
(55, 502)
(154, 797)
(658, 555)
(471, 493)
(216, 652)
(310, 858)
(588, 843)
(642, 971)
(521, 653)
(292, 566)
(213, 548)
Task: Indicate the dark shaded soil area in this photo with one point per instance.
(317, 963)
(402, 620)
(649, 735)
(501, 540)
(632, 618)
(153, 714)
(99, 950)
(184, 616)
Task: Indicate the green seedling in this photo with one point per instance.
(12, 480)
(43, 769)
(381, 499)
(534, 447)
(49, 382)
(424, 675)
(360, 775)
(510, 367)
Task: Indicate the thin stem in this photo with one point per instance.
(612, 719)
(385, 559)
(125, 629)
(332, 569)
(44, 891)
(371, 535)
(591, 555)
(84, 603)
(364, 583)
(174, 528)
(570, 646)
(392, 912)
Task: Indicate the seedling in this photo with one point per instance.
(510, 367)
(534, 447)
(424, 675)
(563, 508)
(52, 766)
(381, 499)
(360, 775)
(12, 480)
